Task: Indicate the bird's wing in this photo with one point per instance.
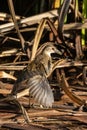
(38, 85)
(40, 90)
(19, 86)
(22, 79)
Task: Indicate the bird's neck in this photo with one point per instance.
(47, 62)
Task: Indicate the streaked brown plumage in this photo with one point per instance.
(34, 77)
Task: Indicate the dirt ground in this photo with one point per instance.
(65, 115)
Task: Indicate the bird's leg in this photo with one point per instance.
(24, 112)
(14, 100)
(29, 100)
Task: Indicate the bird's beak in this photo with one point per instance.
(58, 52)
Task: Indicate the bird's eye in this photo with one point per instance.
(53, 48)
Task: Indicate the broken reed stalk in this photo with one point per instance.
(37, 38)
(3, 74)
(11, 8)
(70, 94)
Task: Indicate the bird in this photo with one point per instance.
(33, 78)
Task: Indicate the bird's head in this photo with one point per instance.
(49, 49)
